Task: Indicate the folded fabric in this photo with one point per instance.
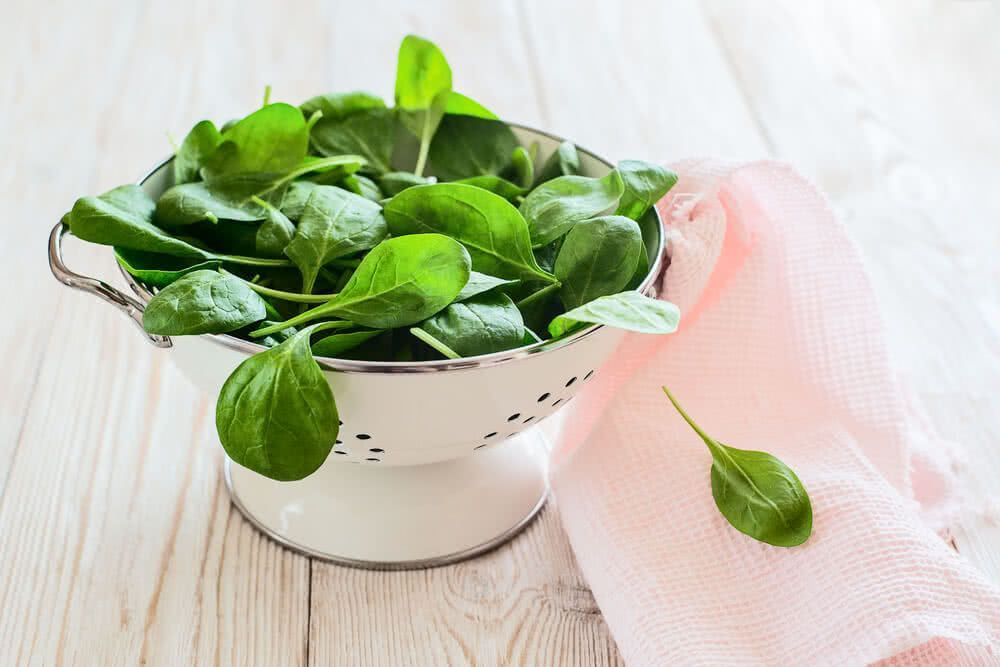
(780, 349)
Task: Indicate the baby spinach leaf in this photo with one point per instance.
(625, 310)
(124, 217)
(156, 270)
(496, 185)
(485, 323)
(189, 203)
(645, 184)
(597, 258)
(341, 105)
(333, 345)
(487, 225)
(530, 337)
(423, 87)
(641, 268)
(400, 282)
(197, 146)
(272, 139)
(546, 255)
(466, 146)
(460, 104)
(203, 302)
(276, 413)
(395, 182)
(757, 494)
(293, 202)
(364, 186)
(278, 337)
(565, 161)
(479, 283)
(334, 223)
(274, 233)
(554, 207)
(522, 167)
(366, 133)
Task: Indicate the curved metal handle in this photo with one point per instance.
(125, 303)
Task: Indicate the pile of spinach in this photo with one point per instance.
(308, 230)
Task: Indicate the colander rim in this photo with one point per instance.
(483, 360)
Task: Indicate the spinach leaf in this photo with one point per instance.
(530, 337)
(645, 184)
(293, 202)
(522, 167)
(203, 302)
(565, 161)
(487, 225)
(367, 133)
(274, 138)
(485, 323)
(197, 146)
(156, 270)
(124, 217)
(479, 283)
(496, 185)
(466, 146)
(460, 104)
(364, 186)
(341, 105)
(395, 182)
(641, 268)
(274, 233)
(554, 207)
(334, 223)
(757, 494)
(400, 282)
(626, 310)
(189, 203)
(597, 258)
(423, 87)
(278, 337)
(546, 255)
(276, 414)
(331, 346)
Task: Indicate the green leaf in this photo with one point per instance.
(293, 203)
(197, 146)
(641, 268)
(565, 161)
(466, 146)
(157, 270)
(626, 310)
(423, 87)
(522, 168)
(490, 228)
(479, 283)
(400, 282)
(645, 184)
(368, 133)
(757, 494)
(124, 217)
(203, 302)
(334, 223)
(274, 233)
(554, 207)
(485, 323)
(189, 203)
(341, 105)
(276, 413)
(364, 186)
(331, 346)
(597, 258)
(278, 337)
(395, 182)
(496, 185)
(460, 104)
(274, 138)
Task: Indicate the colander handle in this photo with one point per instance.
(125, 303)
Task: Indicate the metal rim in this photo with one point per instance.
(349, 366)
(419, 564)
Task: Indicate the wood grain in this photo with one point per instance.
(120, 546)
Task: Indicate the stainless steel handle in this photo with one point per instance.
(125, 303)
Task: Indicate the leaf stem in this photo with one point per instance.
(435, 343)
(709, 441)
(252, 261)
(539, 295)
(313, 119)
(284, 296)
(267, 94)
(299, 319)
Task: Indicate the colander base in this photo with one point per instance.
(401, 517)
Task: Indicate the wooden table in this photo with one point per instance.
(118, 543)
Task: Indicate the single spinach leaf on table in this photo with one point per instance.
(197, 146)
(485, 323)
(274, 138)
(276, 414)
(395, 182)
(423, 88)
(479, 283)
(334, 223)
(490, 228)
(554, 207)
(626, 310)
(757, 494)
(124, 217)
(337, 344)
(203, 302)
(367, 133)
(341, 105)
(565, 161)
(400, 282)
(467, 146)
(645, 184)
(158, 270)
(460, 104)
(598, 257)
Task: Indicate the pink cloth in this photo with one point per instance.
(781, 349)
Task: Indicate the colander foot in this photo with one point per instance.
(401, 517)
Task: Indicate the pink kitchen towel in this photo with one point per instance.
(780, 349)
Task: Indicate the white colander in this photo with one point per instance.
(446, 460)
